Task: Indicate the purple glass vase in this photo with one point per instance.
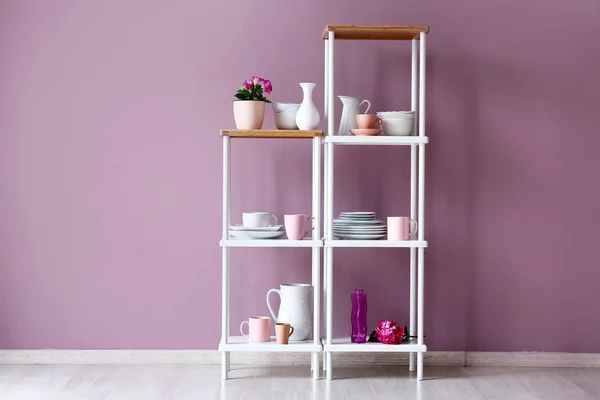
(359, 316)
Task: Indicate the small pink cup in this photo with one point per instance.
(295, 226)
(368, 121)
(398, 228)
(258, 329)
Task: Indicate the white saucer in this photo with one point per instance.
(257, 234)
(239, 227)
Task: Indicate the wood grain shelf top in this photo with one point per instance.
(375, 32)
(270, 134)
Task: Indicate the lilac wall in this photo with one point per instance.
(110, 168)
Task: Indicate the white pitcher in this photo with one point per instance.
(348, 120)
(294, 308)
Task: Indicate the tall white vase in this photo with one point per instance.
(307, 116)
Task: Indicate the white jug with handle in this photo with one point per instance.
(348, 120)
(294, 308)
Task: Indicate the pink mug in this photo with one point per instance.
(295, 225)
(258, 329)
(399, 228)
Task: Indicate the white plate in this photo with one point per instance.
(255, 229)
(352, 222)
(359, 237)
(256, 234)
(360, 221)
(357, 213)
(360, 231)
(360, 228)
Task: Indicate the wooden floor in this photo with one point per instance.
(165, 382)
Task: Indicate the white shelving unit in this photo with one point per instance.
(416, 34)
(229, 343)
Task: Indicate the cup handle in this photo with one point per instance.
(379, 123)
(368, 105)
(306, 230)
(242, 328)
(291, 331)
(416, 226)
(274, 217)
(269, 304)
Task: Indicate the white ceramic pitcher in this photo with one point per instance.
(349, 111)
(294, 308)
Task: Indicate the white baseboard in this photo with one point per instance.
(531, 359)
(213, 357)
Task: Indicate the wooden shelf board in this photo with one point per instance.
(270, 134)
(375, 32)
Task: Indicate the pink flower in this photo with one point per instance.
(267, 86)
(254, 88)
(389, 333)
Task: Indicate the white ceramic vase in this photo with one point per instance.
(307, 116)
(294, 309)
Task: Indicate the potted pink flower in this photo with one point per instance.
(249, 106)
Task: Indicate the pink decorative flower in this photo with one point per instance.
(389, 333)
(254, 88)
(268, 87)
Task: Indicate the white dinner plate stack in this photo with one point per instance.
(254, 233)
(358, 225)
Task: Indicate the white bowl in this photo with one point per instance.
(281, 107)
(387, 117)
(396, 115)
(397, 126)
(396, 112)
(287, 119)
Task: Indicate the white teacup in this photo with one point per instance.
(258, 219)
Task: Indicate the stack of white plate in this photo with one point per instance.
(253, 233)
(359, 225)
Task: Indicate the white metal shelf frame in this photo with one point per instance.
(229, 343)
(417, 209)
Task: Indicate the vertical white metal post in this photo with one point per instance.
(316, 256)
(225, 360)
(326, 87)
(413, 200)
(326, 172)
(329, 200)
(421, 219)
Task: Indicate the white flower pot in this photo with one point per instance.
(249, 114)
